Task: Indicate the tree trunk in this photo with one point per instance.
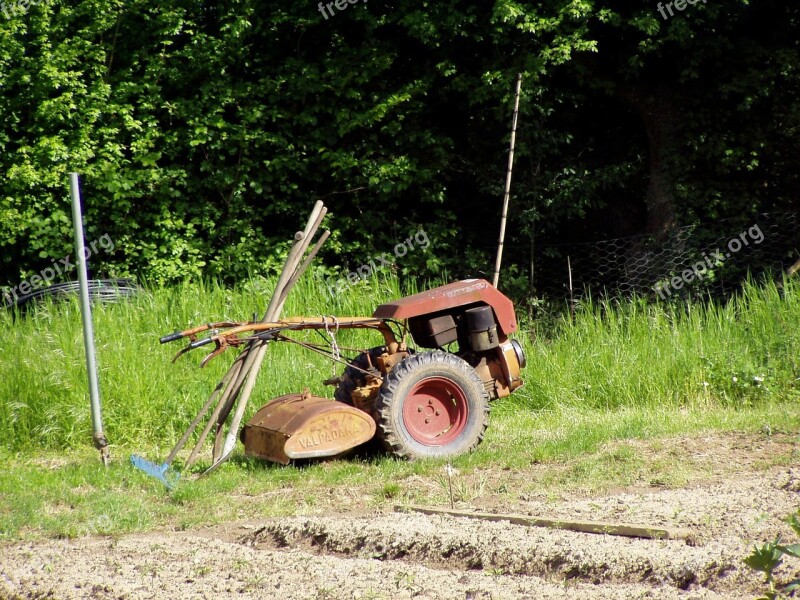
(656, 106)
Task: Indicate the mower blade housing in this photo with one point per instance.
(301, 426)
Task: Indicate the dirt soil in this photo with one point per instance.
(385, 554)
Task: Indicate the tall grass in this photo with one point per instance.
(740, 354)
(633, 354)
(146, 399)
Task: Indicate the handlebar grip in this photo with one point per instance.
(171, 337)
(198, 343)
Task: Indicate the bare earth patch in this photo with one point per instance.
(382, 554)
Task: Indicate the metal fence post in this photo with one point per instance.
(99, 437)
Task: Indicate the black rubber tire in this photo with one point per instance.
(401, 381)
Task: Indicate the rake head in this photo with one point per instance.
(160, 472)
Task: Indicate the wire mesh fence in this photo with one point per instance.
(692, 261)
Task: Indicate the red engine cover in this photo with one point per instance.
(453, 295)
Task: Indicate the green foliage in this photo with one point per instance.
(205, 131)
(767, 557)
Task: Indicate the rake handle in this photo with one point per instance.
(171, 337)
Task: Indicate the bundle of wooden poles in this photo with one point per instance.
(232, 393)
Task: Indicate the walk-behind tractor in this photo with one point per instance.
(419, 403)
(423, 392)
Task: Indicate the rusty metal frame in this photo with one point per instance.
(232, 336)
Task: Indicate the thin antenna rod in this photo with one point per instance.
(571, 298)
(507, 194)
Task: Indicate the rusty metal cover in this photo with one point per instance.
(298, 426)
(453, 295)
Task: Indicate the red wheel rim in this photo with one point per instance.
(435, 411)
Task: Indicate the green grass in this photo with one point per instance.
(740, 354)
(527, 454)
(146, 399)
(627, 372)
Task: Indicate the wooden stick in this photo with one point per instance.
(622, 529)
(571, 299)
(273, 312)
(228, 379)
(287, 279)
(257, 350)
(251, 351)
(185, 438)
(507, 193)
(302, 268)
(228, 389)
